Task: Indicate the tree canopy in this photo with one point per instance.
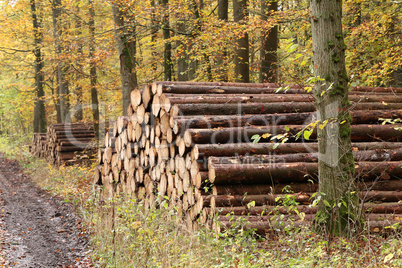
(203, 47)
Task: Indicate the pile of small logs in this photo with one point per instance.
(67, 144)
(190, 144)
(38, 144)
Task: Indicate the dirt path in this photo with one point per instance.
(36, 229)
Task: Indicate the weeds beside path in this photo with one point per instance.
(136, 237)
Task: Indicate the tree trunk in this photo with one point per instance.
(93, 75)
(223, 7)
(62, 83)
(154, 35)
(240, 14)
(183, 59)
(79, 111)
(338, 209)
(126, 43)
(39, 110)
(167, 59)
(269, 46)
(198, 32)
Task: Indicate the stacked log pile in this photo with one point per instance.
(66, 144)
(38, 144)
(189, 144)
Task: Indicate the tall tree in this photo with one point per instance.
(167, 58)
(269, 45)
(241, 60)
(154, 34)
(223, 16)
(79, 115)
(198, 31)
(63, 112)
(182, 47)
(126, 44)
(92, 70)
(338, 208)
(39, 110)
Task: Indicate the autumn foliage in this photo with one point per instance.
(203, 48)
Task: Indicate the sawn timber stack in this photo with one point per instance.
(189, 144)
(67, 143)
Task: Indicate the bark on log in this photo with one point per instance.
(231, 149)
(359, 156)
(243, 134)
(268, 108)
(302, 198)
(382, 208)
(221, 174)
(181, 123)
(270, 98)
(236, 88)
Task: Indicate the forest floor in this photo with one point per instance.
(36, 228)
(40, 226)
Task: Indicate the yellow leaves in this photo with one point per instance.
(308, 89)
(266, 135)
(321, 126)
(136, 224)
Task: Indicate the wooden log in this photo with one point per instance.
(146, 96)
(264, 108)
(60, 148)
(221, 174)
(257, 200)
(72, 136)
(393, 90)
(136, 98)
(245, 108)
(382, 208)
(69, 126)
(238, 88)
(307, 217)
(122, 122)
(257, 189)
(231, 149)
(243, 134)
(270, 98)
(369, 155)
(301, 198)
(382, 196)
(264, 227)
(181, 123)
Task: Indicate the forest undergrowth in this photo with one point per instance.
(124, 234)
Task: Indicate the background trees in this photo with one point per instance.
(176, 40)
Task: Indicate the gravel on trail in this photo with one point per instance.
(36, 228)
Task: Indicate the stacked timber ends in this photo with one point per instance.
(38, 144)
(190, 145)
(66, 144)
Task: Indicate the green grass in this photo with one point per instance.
(124, 234)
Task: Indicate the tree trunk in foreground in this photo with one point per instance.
(338, 208)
